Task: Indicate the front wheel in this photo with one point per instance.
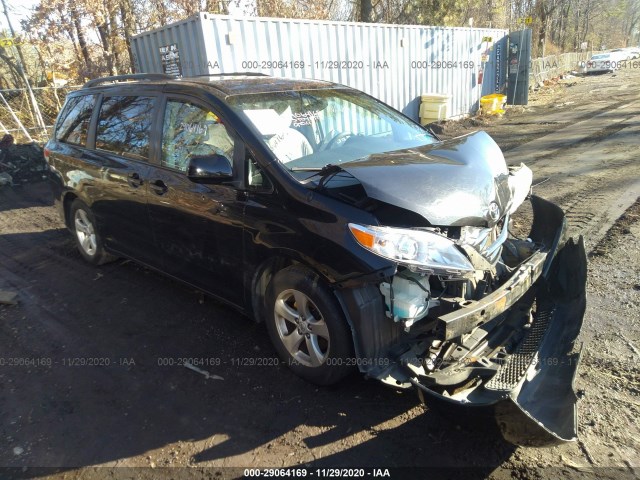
(308, 328)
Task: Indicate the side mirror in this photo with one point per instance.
(209, 169)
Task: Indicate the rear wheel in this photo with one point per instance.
(86, 234)
(308, 328)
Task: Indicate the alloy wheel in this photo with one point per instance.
(85, 232)
(301, 328)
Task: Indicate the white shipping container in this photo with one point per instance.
(394, 63)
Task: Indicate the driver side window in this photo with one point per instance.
(190, 130)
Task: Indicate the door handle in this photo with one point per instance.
(159, 187)
(134, 180)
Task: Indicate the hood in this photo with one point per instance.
(450, 183)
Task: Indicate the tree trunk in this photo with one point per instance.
(113, 32)
(13, 68)
(217, 6)
(632, 20)
(562, 26)
(82, 41)
(366, 11)
(576, 41)
(70, 32)
(161, 12)
(542, 27)
(126, 12)
(103, 32)
(586, 15)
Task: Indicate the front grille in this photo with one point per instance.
(517, 363)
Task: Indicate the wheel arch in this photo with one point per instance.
(67, 200)
(362, 306)
(269, 267)
(265, 272)
(339, 333)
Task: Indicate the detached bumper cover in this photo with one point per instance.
(545, 400)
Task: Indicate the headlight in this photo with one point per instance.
(418, 248)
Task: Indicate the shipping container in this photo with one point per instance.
(394, 63)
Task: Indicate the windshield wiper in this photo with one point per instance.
(328, 168)
(324, 172)
(311, 169)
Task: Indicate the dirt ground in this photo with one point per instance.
(92, 386)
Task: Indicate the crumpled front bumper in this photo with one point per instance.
(532, 393)
(532, 396)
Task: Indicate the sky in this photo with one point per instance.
(18, 10)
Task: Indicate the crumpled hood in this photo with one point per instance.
(450, 183)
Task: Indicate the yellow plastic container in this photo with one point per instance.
(493, 104)
(433, 107)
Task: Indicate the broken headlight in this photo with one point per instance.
(418, 249)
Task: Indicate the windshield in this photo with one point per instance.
(600, 57)
(309, 129)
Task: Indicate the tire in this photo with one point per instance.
(322, 358)
(85, 232)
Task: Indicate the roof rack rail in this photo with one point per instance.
(132, 76)
(231, 74)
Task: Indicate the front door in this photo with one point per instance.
(197, 228)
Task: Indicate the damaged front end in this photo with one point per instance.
(473, 316)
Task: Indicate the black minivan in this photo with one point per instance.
(359, 237)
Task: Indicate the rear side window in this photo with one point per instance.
(124, 125)
(75, 119)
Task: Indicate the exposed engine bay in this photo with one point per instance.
(415, 293)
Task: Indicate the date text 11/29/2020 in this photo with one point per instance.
(302, 472)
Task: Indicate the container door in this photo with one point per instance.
(519, 62)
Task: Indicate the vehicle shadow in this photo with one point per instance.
(97, 376)
(389, 430)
